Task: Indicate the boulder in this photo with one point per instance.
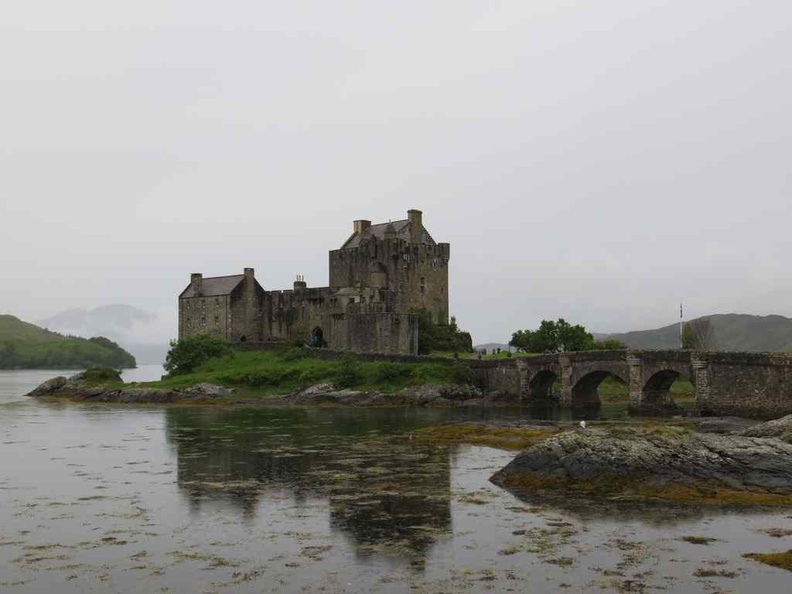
(209, 390)
(51, 386)
(621, 455)
(781, 428)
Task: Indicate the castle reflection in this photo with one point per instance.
(387, 493)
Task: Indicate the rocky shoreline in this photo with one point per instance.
(78, 389)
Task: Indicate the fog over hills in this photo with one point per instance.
(142, 333)
(732, 332)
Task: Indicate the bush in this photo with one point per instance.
(189, 353)
(295, 354)
(390, 373)
(439, 337)
(100, 375)
(348, 373)
(460, 374)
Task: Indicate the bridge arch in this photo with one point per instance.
(585, 391)
(656, 393)
(541, 385)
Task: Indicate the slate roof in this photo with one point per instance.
(214, 286)
(401, 227)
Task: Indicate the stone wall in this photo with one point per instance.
(206, 315)
(416, 275)
(382, 333)
(747, 384)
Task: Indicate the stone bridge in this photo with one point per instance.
(751, 384)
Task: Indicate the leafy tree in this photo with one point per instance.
(440, 337)
(553, 337)
(698, 335)
(187, 354)
(522, 340)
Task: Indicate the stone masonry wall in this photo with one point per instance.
(205, 315)
(416, 274)
(750, 384)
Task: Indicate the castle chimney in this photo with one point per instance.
(250, 273)
(196, 280)
(416, 225)
(300, 283)
(360, 226)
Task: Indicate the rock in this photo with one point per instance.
(209, 390)
(671, 456)
(49, 387)
(781, 428)
(316, 389)
(728, 425)
(430, 393)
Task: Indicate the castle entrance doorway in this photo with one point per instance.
(317, 338)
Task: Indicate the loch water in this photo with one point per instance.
(107, 498)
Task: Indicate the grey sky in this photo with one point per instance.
(596, 160)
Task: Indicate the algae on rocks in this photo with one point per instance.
(671, 464)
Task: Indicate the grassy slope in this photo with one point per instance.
(25, 345)
(268, 373)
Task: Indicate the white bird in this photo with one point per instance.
(582, 424)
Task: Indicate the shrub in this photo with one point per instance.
(187, 354)
(100, 375)
(294, 354)
(348, 373)
(460, 374)
(390, 373)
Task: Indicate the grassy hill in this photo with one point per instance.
(26, 346)
(732, 332)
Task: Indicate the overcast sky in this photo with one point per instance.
(593, 160)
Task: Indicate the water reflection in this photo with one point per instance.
(387, 493)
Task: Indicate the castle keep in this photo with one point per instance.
(379, 277)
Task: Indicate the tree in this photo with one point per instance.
(698, 335)
(522, 340)
(188, 353)
(553, 337)
(440, 337)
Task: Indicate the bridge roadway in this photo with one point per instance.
(750, 384)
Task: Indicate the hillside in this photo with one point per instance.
(27, 346)
(732, 332)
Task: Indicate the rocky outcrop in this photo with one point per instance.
(77, 388)
(781, 428)
(629, 457)
(425, 395)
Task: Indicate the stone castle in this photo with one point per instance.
(379, 278)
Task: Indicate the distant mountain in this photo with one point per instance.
(108, 320)
(491, 346)
(731, 332)
(26, 346)
(142, 333)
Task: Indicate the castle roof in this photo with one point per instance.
(214, 286)
(401, 229)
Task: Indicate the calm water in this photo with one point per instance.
(189, 499)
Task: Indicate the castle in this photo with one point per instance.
(379, 278)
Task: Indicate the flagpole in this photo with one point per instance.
(680, 324)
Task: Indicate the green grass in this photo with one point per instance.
(270, 373)
(612, 389)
